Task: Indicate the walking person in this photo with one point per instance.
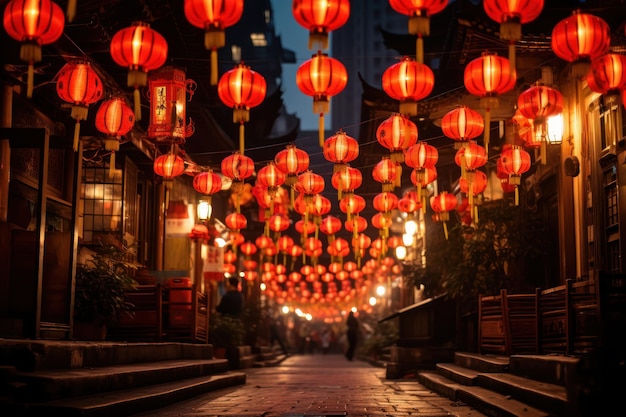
(276, 334)
(352, 335)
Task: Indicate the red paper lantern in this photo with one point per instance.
(385, 173)
(33, 23)
(488, 77)
(320, 18)
(511, 14)
(79, 85)
(347, 180)
(477, 186)
(408, 81)
(385, 202)
(340, 149)
(213, 17)
(237, 166)
(515, 162)
(248, 248)
(236, 221)
(263, 242)
(271, 177)
(381, 221)
(471, 157)
(321, 77)
(284, 243)
(292, 161)
(309, 183)
(207, 183)
(421, 156)
(305, 228)
(423, 177)
(580, 39)
(397, 133)
(442, 204)
(278, 223)
(419, 13)
(169, 166)
(140, 49)
(330, 225)
(114, 118)
(358, 224)
(319, 205)
(608, 74)
(241, 89)
(409, 203)
(352, 204)
(230, 257)
(462, 124)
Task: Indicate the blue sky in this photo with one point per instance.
(295, 38)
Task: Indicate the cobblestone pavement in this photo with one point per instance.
(322, 386)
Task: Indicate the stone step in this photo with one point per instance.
(62, 383)
(482, 399)
(127, 402)
(482, 363)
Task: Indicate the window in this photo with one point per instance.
(102, 199)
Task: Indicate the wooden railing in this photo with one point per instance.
(164, 313)
(562, 320)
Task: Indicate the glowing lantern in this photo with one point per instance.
(511, 14)
(140, 49)
(420, 157)
(236, 221)
(340, 149)
(469, 158)
(385, 202)
(397, 133)
(358, 224)
(169, 166)
(442, 204)
(462, 125)
(34, 23)
(320, 18)
(284, 243)
(351, 205)
(421, 178)
(488, 77)
(305, 227)
(237, 167)
(279, 223)
(608, 74)
(329, 226)
(241, 89)
(167, 90)
(213, 17)
(78, 84)
(346, 181)
(385, 173)
(263, 242)
(248, 248)
(409, 203)
(207, 183)
(321, 77)
(525, 130)
(514, 162)
(579, 39)
(538, 103)
(271, 177)
(408, 81)
(477, 185)
(419, 13)
(292, 161)
(114, 118)
(309, 183)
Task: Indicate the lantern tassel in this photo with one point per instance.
(30, 80)
(214, 66)
(112, 165)
(137, 103)
(76, 135)
(321, 129)
(543, 152)
(71, 10)
(516, 196)
(445, 230)
(419, 48)
(241, 138)
(512, 63)
(487, 128)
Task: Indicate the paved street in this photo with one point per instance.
(319, 385)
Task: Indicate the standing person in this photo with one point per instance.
(276, 334)
(352, 333)
(231, 303)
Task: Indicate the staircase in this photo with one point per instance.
(519, 385)
(103, 378)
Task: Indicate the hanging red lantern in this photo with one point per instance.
(340, 149)
(319, 206)
(271, 177)
(248, 248)
(283, 243)
(473, 187)
(419, 13)
(309, 183)
(608, 74)
(320, 18)
(236, 221)
(397, 133)
(241, 89)
(385, 173)
(442, 204)
(114, 118)
(169, 166)
(263, 242)
(346, 181)
(358, 224)
(385, 202)
(421, 178)
(213, 17)
(421, 156)
(168, 92)
(469, 158)
(321, 77)
(329, 226)
(525, 130)
(207, 183)
(237, 166)
(79, 85)
(140, 49)
(511, 14)
(514, 162)
(488, 77)
(409, 203)
(34, 24)
(408, 81)
(292, 161)
(538, 103)
(305, 228)
(352, 204)
(462, 125)
(279, 223)
(579, 39)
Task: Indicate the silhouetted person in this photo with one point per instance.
(352, 334)
(231, 303)
(276, 335)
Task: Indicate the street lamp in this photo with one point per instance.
(204, 210)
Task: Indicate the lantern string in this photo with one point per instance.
(30, 80)
(213, 66)
(321, 129)
(137, 103)
(76, 135)
(241, 138)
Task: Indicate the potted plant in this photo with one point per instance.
(103, 277)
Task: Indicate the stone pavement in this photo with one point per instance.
(322, 386)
